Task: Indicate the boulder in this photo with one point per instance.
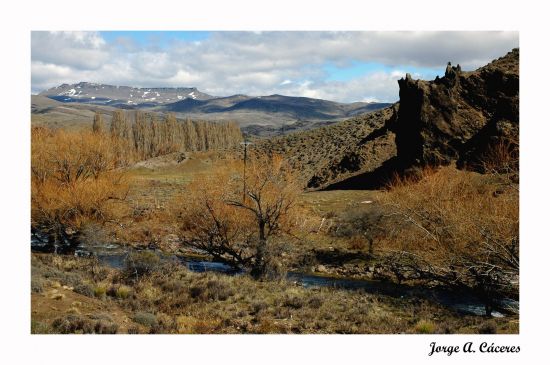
(321, 269)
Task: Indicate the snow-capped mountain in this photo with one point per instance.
(87, 92)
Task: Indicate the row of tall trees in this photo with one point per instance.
(151, 137)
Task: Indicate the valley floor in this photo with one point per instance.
(77, 295)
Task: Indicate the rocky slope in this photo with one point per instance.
(455, 118)
(458, 116)
(330, 154)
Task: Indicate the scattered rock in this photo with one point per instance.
(321, 269)
(171, 242)
(73, 310)
(70, 231)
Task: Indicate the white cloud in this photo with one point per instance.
(79, 50)
(378, 86)
(261, 63)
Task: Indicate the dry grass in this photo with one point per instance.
(174, 300)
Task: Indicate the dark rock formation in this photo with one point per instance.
(457, 117)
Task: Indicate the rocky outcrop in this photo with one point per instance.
(452, 119)
(457, 117)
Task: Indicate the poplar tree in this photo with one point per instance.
(99, 125)
(144, 139)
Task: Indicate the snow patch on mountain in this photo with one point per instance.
(70, 92)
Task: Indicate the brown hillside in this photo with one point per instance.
(333, 153)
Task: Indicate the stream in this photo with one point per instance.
(115, 255)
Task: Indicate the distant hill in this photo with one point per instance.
(296, 107)
(51, 113)
(260, 115)
(455, 118)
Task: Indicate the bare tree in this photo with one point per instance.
(218, 221)
(270, 194)
(98, 125)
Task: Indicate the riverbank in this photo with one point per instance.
(76, 295)
(118, 257)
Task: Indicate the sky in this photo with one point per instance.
(338, 66)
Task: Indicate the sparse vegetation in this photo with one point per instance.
(74, 323)
(123, 292)
(425, 327)
(175, 300)
(141, 263)
(323, 155)
(146, 319)
(100, 291)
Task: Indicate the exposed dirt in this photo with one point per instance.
(56, 301)
(172, 159)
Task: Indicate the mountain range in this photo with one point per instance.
(260, 114)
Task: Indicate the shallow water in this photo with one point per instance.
(114, 255)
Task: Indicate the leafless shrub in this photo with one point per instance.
(453, 230)
(74, 181)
